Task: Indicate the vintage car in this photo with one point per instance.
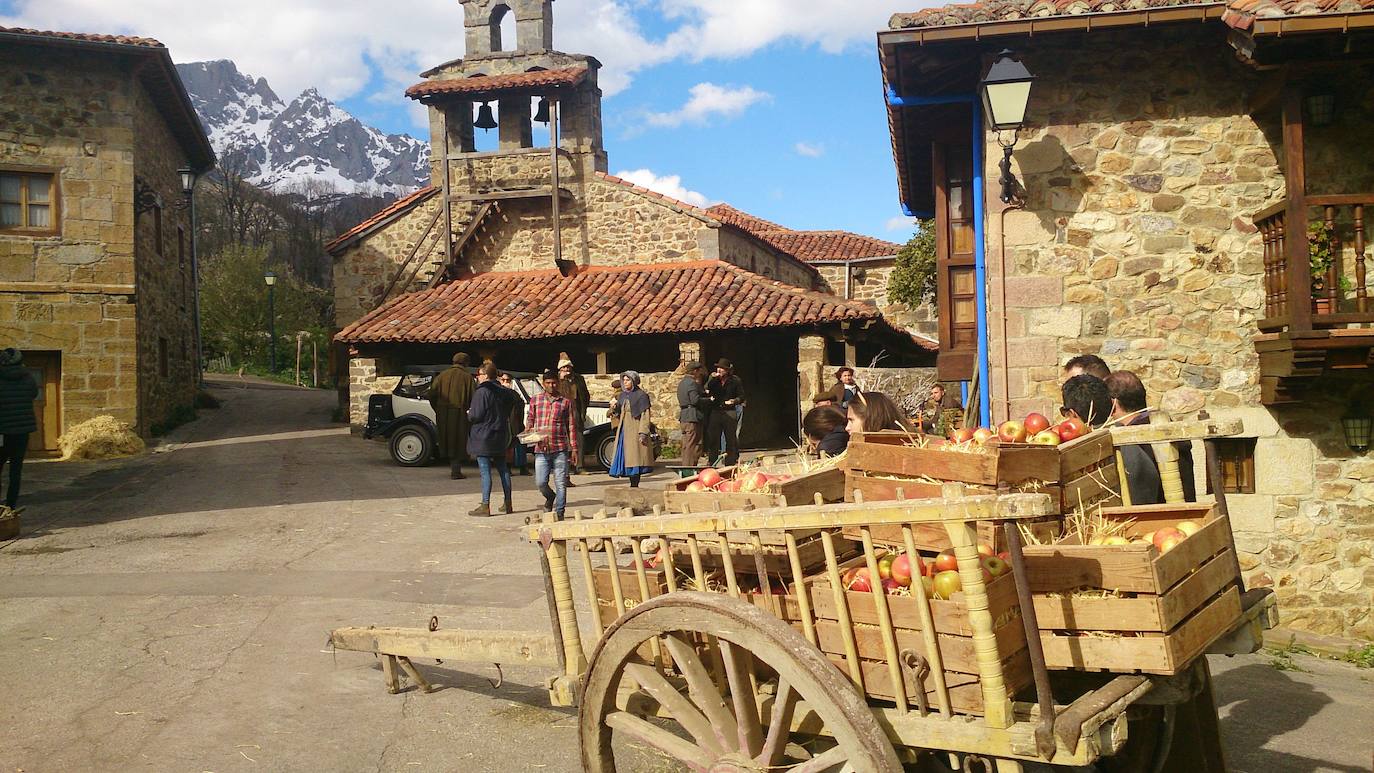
(405, 418)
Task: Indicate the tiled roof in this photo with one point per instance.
(743, 220)
(1238, 12)
(487, 84)
(397, 207)
(643, 299)
(829, 245)
(805, 245)
(83, 37)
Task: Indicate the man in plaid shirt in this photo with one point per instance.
(550, 416)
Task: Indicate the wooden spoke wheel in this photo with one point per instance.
(715, 721)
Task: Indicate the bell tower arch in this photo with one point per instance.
(482, 23)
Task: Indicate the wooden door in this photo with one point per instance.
(46, 369)
(956, 292)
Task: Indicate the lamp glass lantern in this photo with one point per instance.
(1321, 108)
(1006, 92)
(1358, 427)
(270, 278)
(188, 180)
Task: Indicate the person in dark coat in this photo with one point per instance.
(519, 453)
(845, 389)
(450, 394)
(824, 427)
(727, 400)
(574, 387)
(489, 435)
(17, 393)
(693, 408)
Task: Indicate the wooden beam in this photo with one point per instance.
(526, 648)
(79, 288)
(1295, 221)
(542, 191)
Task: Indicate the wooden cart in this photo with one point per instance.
(811, 677)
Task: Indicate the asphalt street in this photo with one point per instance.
(169, 613)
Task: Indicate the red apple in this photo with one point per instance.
(710, 477)
(1005, 556)
(985, 550)
(696, 485)
(1071, 428)
(982, 435)
(1046, 438)
(860, 581)
(728, 486)
(964, 435)
(754, 481)
(946, 562)
(901, 569)
(885, 565)
(1189, 528)
(890, 585)
(947, 584)
(1036, 423)
(1012, 432)
(995, 566)
(1170, 537)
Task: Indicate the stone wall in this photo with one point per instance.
(363, 382)
(73, 292)
(1135, 243)
(363, 271)
(166, 307)
(868, 282)
(745, 252)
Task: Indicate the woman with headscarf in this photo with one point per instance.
(634, 453)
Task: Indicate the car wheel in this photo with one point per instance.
(605, 449)
(412, 447)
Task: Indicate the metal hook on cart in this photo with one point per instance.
(499, 680)
(985, 765)
(919, 668)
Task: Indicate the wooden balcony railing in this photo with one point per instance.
(1294, 299)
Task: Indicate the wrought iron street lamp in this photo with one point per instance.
(1358, 425)
(271, 280)
(1006, 94)
(189, 178)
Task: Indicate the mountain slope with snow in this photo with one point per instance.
(278, 145)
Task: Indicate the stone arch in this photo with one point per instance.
(495, 21)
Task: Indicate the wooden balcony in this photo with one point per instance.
(1313, 324)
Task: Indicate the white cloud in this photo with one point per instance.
(707, 101)
(669, 185)
(809, 149)
(902, 223)
(347, 47)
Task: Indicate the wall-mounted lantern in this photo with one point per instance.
(1006, 94)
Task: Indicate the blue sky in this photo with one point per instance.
(788, 120)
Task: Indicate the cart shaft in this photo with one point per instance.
(526, 648)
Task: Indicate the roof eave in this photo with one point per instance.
(1048, 24)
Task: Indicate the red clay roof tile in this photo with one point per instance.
(1239, 13)
(84, 37)
(488, 84)
(805, 245)
(622, 300)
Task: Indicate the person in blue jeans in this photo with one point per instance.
(550, 425)
(489, 434)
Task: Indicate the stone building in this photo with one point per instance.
(96, 281)
(628, 279)
(1149, 228)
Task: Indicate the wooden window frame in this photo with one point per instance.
(54, 200)
(1236, 457)
(952, 363)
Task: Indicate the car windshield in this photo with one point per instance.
(416, 387)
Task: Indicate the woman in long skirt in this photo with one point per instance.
(634, 453)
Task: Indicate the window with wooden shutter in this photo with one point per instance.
(956, 286)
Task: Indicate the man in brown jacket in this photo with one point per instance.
(450, 394)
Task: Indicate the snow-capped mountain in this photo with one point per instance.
(277, 144)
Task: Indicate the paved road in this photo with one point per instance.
(169, 613)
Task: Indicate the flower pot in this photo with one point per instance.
(1320, 307)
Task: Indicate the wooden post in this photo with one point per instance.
(298, 359)
(314, 363)
(575, 660)
(1361, 294)
(1295, 220)
(553, 159)
(447, 191)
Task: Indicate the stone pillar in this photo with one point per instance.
(810, 368)
(534, 25)
(363, 382)
(513, 117)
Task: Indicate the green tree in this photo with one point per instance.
(233, 298)
(912, 280)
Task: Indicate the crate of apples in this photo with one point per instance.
(939, 575)
(1035, 428)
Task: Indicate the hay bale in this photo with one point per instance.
(103, 437)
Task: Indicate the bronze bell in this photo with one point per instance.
(485, 120)
(541, 113)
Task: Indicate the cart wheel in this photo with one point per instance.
(715, 724)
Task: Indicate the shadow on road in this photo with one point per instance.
(1271, 704)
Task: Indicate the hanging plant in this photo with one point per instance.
(1320, 253)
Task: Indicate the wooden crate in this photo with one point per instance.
(1172, 605)
(810, 551)
(800, 490)
(927, 536)
(1081, 472)
(953, 632)
(782, 605)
